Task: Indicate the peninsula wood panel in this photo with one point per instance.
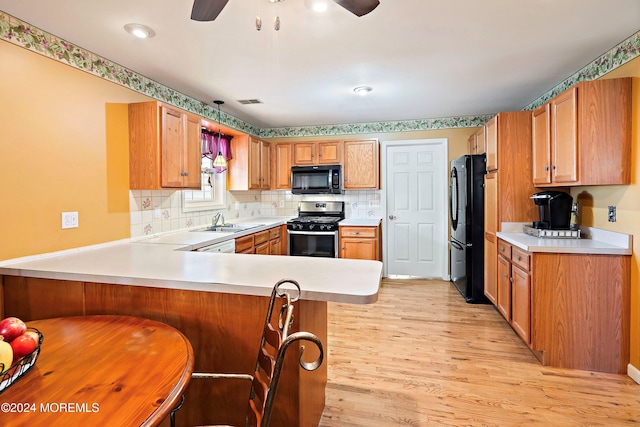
(34, 299)
(580, 311)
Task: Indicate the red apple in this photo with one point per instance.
(11, 328)
(24, 345)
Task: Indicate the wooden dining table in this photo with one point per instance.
(100, 371)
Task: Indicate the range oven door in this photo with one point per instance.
(313, 243)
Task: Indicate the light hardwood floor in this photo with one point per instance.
(421, 356)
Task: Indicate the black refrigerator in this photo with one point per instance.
(466, 217)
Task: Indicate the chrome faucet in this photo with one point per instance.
(216, 218)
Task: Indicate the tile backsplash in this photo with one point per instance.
(158, 211)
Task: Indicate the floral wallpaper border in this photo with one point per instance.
(32, 38)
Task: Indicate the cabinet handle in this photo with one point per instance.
(345, 179)
(518, 257)
(357, 232)
(546, 168)
(186, 174)
(553, 167)
(502, 249)
(511, 279)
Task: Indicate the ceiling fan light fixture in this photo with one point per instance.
(140, 31)
(319, 6)
(362, 90)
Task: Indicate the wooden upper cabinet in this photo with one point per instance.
(281, 166)
(541, 144)
(477, 142)
(317, 153)
(589, 138)
(491, 143)
(250, 167)
(361, 168)
(164, 147)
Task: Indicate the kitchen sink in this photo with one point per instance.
(229, 228)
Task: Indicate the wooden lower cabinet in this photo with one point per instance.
(360, 242)
(490, 268)
(224, 330)
(514, 288)
(572, 310)
(266, 242)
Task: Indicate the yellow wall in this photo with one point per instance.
(626, 198)
(53, 156)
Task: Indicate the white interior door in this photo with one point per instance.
(416, 200)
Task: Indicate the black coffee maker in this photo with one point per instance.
(554, 208)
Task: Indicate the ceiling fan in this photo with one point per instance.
(208, 10)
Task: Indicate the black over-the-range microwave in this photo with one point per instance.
(321, 179)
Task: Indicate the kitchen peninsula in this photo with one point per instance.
(217, 300)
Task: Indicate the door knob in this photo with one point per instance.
(392, 217)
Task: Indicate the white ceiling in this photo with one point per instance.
(423, 58)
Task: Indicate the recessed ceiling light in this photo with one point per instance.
(140, 31)
(362, 90)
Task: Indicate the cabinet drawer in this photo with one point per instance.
(274, 233)
(504, 249)
(358, 231)
(261, 237)
(244, 243)
(521, 258)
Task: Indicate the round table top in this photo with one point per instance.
(101, 371)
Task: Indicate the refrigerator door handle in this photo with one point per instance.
(456, 245)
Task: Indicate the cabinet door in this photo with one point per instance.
(262, 249)
(491, 142)
(361, 165)
(504, 287)
(304, 153)
(491, 203)
(480, 141)
(490, 268)
(192, 152)
(265, 165)
(521, 303)
(564, 136)
(172, 148)
(329, 153)
(541, 144)
(281, 167)
(359, 248)
(255, 148)
(471, 144)
(275, 247)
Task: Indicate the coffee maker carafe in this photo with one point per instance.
(554, 208)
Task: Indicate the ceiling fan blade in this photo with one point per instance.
(207, 10)
(358, 7)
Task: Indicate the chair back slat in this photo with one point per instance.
(267, 362)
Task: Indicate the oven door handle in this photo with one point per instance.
(313, 233)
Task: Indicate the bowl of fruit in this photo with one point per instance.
(19, 350)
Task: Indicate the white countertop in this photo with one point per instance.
(360, 222)
(157, 262)
(599, 242)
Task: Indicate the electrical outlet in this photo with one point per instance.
(281, 203)
(612, 214)
(69, 220)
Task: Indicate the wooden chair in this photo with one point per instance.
(276, 339)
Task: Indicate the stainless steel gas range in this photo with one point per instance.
(315, 231)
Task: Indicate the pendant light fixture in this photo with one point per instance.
(219, 161)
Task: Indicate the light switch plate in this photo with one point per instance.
(69, 220)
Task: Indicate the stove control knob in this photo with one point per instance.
(312, 226)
